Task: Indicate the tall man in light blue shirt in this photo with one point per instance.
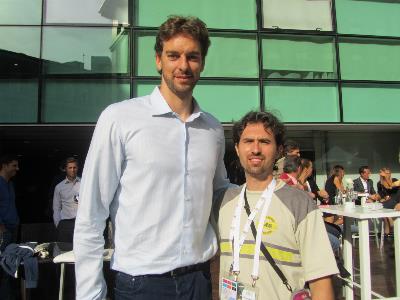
(154, 165)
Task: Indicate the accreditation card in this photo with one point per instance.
(236, 290)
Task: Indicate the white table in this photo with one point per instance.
(69, 258)
(362, 215)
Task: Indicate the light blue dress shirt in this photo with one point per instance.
(156, 177)
(65, 205)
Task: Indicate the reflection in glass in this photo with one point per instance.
(299, 57)
(19, 50)
(86, 12)
(292, 101)
(85, 50)
(145, 63)
(297, 14)
(230, 14)
(70, 101)
(368, 59)
(22, 12)
(18, 101)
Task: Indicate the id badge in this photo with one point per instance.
(236, 290)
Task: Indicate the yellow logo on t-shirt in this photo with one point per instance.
(270, 225)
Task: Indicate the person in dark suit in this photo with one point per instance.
(364, 184)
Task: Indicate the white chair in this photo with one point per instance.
(374, 231)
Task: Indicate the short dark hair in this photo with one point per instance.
(291, 145)
(191, 26)
(5, 159)
(362, 169)
(291, 164)
(69, 160)
(268, 120)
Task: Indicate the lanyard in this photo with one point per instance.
(234, 235)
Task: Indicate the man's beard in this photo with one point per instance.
(180, 90)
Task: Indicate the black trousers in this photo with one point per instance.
(65, 230)
(191, 286)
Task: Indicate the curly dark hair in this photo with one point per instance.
(191, 26)
(269, 121)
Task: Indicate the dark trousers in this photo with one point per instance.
(191, 286)
(65, 231)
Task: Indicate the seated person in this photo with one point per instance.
(291, 148)
(309, 183)
(365, 185)
(334, 184)
(389, 193)
(387, 189)
(291, 171)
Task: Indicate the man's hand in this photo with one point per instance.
(321, 289)
(397, 207)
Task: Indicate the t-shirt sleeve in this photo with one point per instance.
(316, 252)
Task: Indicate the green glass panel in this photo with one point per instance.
(18, 101)
(371, 103)
(297, 14)
(303, 102)
(227, 101)
(21, 12)
(231, 14)
(85, 50)
(145, 62)
(373, 17)
(19, 50)
(88, 12)
(299, 57)
(370, 59)
(143, 88)
(232, 56)
(229, 56)
(72, 101)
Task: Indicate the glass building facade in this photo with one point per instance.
(330, 69)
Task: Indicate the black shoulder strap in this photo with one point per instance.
(264, 249)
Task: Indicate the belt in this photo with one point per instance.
(205, 267)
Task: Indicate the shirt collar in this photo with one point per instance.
(66, 181)
(160, 106)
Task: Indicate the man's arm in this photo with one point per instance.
(100, 180)
(321, 289)
(56, 206)
(220, 181)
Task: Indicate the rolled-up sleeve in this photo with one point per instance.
(100, 180)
